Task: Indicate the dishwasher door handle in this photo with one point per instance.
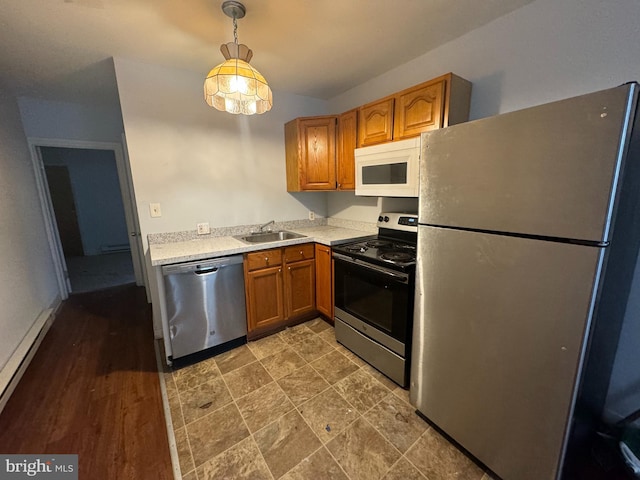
(204, 266)
(206, 271)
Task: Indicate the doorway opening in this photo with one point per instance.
(92, 186)
(89, 213)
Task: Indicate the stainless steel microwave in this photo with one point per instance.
(389, 169)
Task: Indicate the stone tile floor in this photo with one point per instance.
(297, 405)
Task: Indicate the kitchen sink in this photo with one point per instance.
(264, 237)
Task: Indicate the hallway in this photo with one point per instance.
(96, 272)
(93, 389)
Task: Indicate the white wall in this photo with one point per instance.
(96, 191)
(203, 165)
(68, 121)
(27, 278)
(545, 51)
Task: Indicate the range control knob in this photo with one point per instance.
(380, 218)
(386, 219)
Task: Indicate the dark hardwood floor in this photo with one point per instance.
(92, 389)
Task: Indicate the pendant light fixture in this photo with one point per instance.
(234, 86)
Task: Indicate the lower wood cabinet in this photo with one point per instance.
(299, 288)
(280, 287)
(265, 301)
(264, 289)
(324, 281)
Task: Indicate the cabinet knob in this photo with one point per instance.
(301, 253)
(266, 259)
(279, 270)
(289, 268)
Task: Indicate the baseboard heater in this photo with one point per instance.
(17, 364)
(120, 247)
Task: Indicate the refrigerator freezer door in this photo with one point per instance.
(549, 170)
(498, 343)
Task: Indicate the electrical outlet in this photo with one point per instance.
(154, 210)
(312, 215)
(203, 228)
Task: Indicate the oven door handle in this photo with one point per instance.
(402, 277)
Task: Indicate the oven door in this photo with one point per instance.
(369, 296)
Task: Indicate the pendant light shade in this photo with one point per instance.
(235, 86)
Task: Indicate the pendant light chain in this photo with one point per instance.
(235, 30)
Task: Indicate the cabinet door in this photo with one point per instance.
(324, 277)
(375, 122)
(300, 288)
(347, 143)
(318, 153)
(418, 110)
(265, 305)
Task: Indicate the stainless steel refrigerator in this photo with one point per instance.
(529, 230)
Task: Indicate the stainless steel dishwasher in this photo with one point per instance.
(205, 304)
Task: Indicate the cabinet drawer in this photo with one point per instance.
(298, 252)
(263, 259)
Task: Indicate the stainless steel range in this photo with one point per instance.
(374, 288)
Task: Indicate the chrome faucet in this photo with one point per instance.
(270, 222)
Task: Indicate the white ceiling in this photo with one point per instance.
(61, 49)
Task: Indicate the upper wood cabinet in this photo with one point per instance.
(375, 122)
(437, 103)
(347, 143)
(320, 150)
(417, 110)
(310, 147)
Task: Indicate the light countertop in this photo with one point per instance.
(210, 247)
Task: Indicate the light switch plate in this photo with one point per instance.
(154, 210)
